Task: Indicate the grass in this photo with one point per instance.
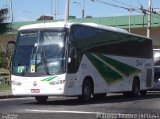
(4, 70)
(5, 74)
(5, 87)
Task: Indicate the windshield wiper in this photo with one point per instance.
(44, 61)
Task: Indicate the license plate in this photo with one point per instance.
(35, 91)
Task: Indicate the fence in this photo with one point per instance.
(4, 79)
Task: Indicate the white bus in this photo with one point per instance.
(84, 60)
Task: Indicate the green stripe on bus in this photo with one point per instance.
(49, 78)
(106, 72)
(127, 70)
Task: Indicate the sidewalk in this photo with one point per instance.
(6, 94)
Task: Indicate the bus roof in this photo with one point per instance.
(63, 24)
(43, 25)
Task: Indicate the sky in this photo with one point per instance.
(30, 10)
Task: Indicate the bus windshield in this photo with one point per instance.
(39, 52)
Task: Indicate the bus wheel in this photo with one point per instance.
(41, 99)
(86, 91)
(143, 92)
(135, 88)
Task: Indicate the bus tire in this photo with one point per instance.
(87, 90)
(135, 88)
(41, 99)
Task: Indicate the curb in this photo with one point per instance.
(9, 96)
(6, 96)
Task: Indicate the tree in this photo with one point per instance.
(3, 13)
(3, 63)
(3, 25)
(3, 39)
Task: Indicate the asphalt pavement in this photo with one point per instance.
(111, 107)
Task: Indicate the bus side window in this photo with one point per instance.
(72, 65)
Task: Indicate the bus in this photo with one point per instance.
(156, 56)
(85, 60)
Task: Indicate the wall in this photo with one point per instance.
(155, 34)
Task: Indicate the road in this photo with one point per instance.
(113, 106)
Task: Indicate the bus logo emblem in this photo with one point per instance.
(34, 83)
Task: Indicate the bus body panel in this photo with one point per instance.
(47, 85)
(73, 82)
(103, 85)
(111, 58)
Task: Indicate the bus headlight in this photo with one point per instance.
(16, 83)
(57, 82)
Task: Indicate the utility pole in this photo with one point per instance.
(149, 20)
(55, 12)
(129, 29)
(82, 9)
(83, 13)
(58, 8)
(66, 17)
(130, 18)
(51, 8)
(11, 11)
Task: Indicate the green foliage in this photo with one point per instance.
(5, 53)
(3, 60)
(3, 16)
(3, 13)
(5, 87)
(4, 27)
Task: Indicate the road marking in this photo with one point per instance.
(102, 115)
(60, 111)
